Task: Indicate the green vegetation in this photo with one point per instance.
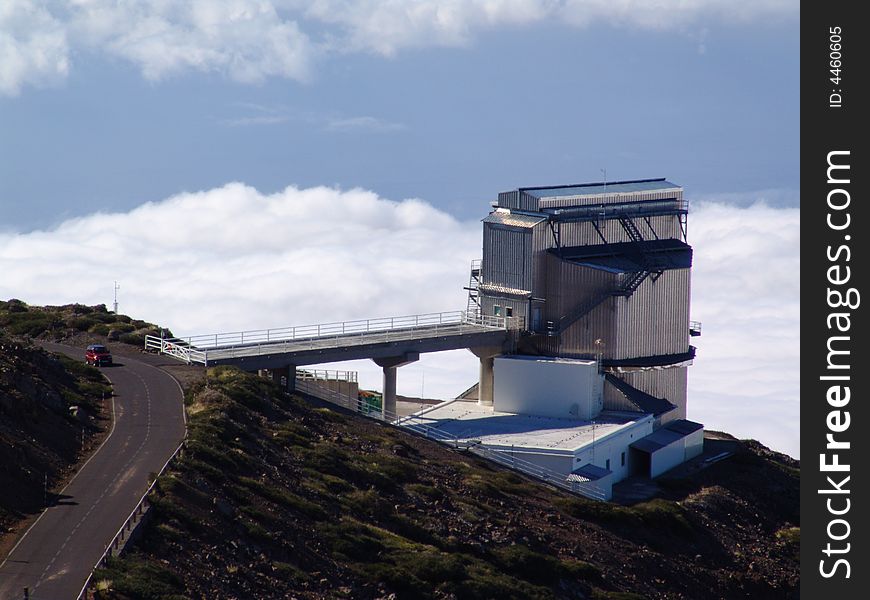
(425, 491)
(226, 486)
(542, 568)
(415, 569)
(140, 579)
(18, 318)
(605, 595)
(50, 407)
(90, 386)
(656, 513)
(275, 497)
(789, 535)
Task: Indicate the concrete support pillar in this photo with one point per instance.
(389, 403)
(484, 389)
(390, 366)
(283, 376)
(291, 378)
(487, 356)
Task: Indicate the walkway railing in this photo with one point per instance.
(419, 425)
(196, 348)
(178, 348)
(326, 375)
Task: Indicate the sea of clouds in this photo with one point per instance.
(232, 258)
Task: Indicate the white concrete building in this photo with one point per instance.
(548, 412)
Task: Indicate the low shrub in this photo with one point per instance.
(137, 577)
(284, 497)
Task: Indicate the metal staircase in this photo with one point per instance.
(474, 280)
(626, 288)
(630, 283)
(631, 229)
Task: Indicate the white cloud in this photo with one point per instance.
(251, 40)
(746, 292)
(386, 26)
(259, 114)
(231, 258)
(256, 120)
(33, 46)
(671, 14)
(247, 40)
(372, 124)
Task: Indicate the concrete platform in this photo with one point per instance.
(472, 421)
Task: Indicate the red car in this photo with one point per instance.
(98, 355)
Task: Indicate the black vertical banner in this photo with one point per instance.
(835, 231)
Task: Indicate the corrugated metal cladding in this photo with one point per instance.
(518, 306)
(519, 200)
(609, 198)
(507, 256)
(616, 400)
(529, 202)
(542, 239)
(508, 199)
(571, 285)
(578, 340)
(655, 319)
(670, 384)
(651, 322)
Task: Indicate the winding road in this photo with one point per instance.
(55, 556)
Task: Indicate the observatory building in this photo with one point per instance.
(597, 271)
(579, 314)
(595, 279)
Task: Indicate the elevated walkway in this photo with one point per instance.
(333, 342)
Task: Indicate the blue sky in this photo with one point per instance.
(712, 105)
(110, 112)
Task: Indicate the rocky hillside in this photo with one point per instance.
(279, 497)
(72, 320)
(50, 416)
(51, 410)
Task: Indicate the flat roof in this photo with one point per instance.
(666, 435)
(471, 421)
(513, 219)
(588, 473)
(610, 187)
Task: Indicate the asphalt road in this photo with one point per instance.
(55, 556)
